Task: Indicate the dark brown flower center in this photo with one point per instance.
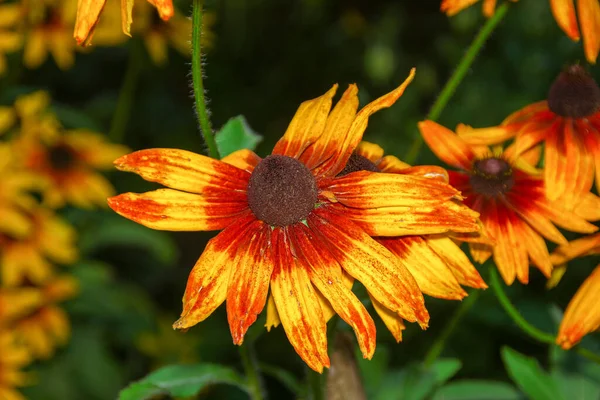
(282, 191)
(62, 157)
(574, 94)
(491, 177)
(358, 163)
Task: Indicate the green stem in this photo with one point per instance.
(531, 330)
(315, 384)
(438, 346)
(251, 369)
(197, 84)
(120, 118)
(458, 75)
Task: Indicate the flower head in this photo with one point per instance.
(512, 203)
(285, 226)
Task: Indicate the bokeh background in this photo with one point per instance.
(263, 58)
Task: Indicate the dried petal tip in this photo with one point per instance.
(574, 93)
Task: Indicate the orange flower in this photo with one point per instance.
(569, 123)
(284, 227)
(438, 265)
(88, 14)
(453, 7)
(512, 203)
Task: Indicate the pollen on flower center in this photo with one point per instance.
(358, 163)
(491, 177)
(61, 157)
(282, 191)
(574, 94)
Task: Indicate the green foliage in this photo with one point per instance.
(477, 390)
(235, 135)
(181, 381)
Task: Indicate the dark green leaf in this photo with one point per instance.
(529, 376)
(284, 377)
(477, 390)
(181, 381)
(235, 135)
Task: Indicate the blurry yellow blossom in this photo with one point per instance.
(13, 357)
(18, 302)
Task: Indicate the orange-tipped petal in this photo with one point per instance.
(382, 273)
(298, 306)
(307, 125)
(164, 7)
(564, 14)
(448, 146)
(453, 7)
(184, 170)
(429, 270)
(88, 14)
(577, 248)
(249, 284)
(466, 274)
(172, 210)
(206, 287)
(370, 151)
(583, 314)
(326, 275)
(350, 141)
(589, 21)
(243, 159)
(391, 320)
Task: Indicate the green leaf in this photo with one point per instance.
(235, 135)
(477, 390)
(529, 376)
(181, 381)
(284, 377)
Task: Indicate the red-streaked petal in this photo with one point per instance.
(446, 145)
(346, 146)
(367, 190)
(564, 14)
(328, 146)
(400, 221)
(243, 159)
(429, 270)
(382, 273)
(391, 320)
(589, 21)
(172, 210)
(370, 151)
(466, 274)
(184, 170)
(525, 114)
(307, 125)
(249, 284)
(583, 314)
(207, 284)
(577, 248)
(326, 275)
(298, 305)
(427, 171)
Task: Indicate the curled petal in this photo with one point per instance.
(88, 14)
(453, 7)
(370, 151)
(449, 147)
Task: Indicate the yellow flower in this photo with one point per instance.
(88, 14)
(48, 327)
(10, 39)
(48, 32)
(26, 259)
(514, 208)
(13, 357)
(18, 302)
(286, 226)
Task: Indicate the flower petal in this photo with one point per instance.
(206, 287)
(243, 159)
(483, 136)
(172, 210)
(164, 7)
(577, 248)
(184, 170)
(298, 306)
(564, 14)
(273, 320)
(383, 274)
(371, 151)
(88, 14)
(392, 164)
(249, 285)
(446, 145)
(453, 7)
(307, 125)
(326, 274)
(429, 270)
(536, 248)
(466, 274)
(391, 320)
(589, 20)
(582, 315)
(588, 207)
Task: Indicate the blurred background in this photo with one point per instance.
(262, 59)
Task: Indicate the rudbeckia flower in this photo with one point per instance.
(28, 259)
(281, 231)
(514, 209)
(13, 357)
(88, 14)
(438, 265)
(48, 327)
(583, 314)
(569, 123)
(10, 39)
